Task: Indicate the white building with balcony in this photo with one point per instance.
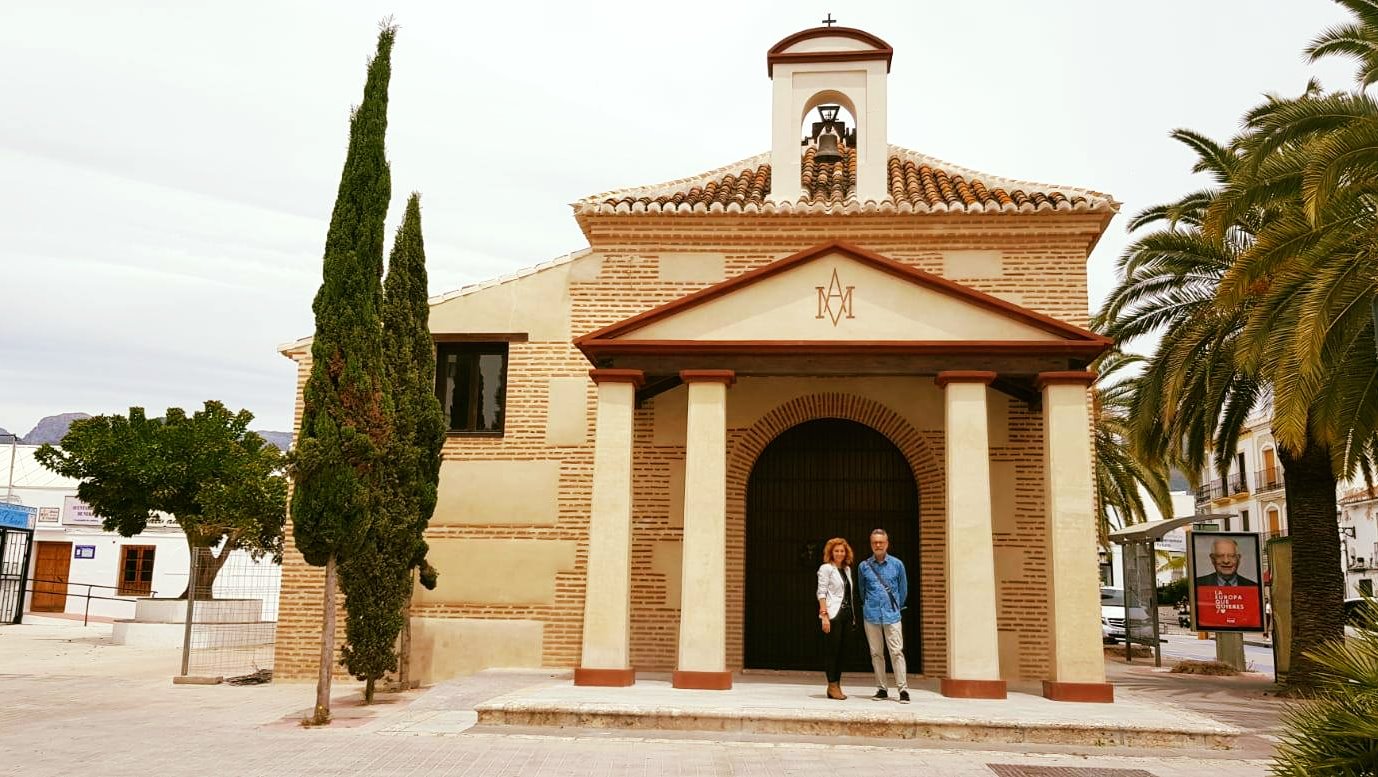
(1252, 492)
(1359, 540)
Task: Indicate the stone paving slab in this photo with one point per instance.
(797, 708)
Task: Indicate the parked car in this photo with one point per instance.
(1112, 615)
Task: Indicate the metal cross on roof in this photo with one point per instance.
(830, 21)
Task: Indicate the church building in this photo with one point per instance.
(652, 438)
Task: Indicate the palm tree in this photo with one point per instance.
(1209, 371)
(1357, 40)
(1122, 477)
(1192, 397)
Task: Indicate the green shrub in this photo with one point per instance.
(1173, 592)
(1335, 732)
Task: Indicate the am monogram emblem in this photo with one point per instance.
(835, 302)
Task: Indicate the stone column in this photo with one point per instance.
(1078, 665)
(973, 645)
(703, 592)
(606, 657)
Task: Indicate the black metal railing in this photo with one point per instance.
(88, 596)
(1268, 481)
(1215, 489)
(1238, 483)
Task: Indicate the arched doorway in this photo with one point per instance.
(820, 479)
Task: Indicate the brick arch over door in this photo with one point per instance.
(745, 445)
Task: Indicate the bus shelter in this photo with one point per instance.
(1140, 576)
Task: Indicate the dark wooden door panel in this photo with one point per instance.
(818, 480)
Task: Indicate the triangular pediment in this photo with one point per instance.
(836, 294)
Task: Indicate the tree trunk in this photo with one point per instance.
(322, 714)
(1317, 580)
(404, 642)
(368, 690)
(208, 566)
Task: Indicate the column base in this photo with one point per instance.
(1099, 693)
(612, 678)
(702, 681)
(973, 689)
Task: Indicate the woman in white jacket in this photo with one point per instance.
(837, 610)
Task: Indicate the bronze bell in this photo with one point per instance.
(828, 150)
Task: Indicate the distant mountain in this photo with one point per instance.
(283, 440)
(53, 428)
(5, 434)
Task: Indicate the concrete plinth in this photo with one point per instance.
(800, 708)
(161, 623)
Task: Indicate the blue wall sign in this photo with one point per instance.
(14, 516)
(86, 551)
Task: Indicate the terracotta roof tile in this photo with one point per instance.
(916, 183)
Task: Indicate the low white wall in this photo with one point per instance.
(170, 565)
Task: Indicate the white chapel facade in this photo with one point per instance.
(653, 437)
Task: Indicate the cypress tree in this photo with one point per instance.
(377, 580)
(347, 414)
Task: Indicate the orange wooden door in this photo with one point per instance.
(50, 577)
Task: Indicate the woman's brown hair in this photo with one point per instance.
(828, 551)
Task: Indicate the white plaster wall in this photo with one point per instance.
(170, 564)
(1362, 517)
(860, 86)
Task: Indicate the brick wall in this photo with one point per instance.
(1042, 268)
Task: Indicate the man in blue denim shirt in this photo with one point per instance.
(884, 588)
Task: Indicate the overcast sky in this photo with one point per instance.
(167, 169)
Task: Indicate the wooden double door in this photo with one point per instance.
(822, 479)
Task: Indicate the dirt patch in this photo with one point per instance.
(1212, 668)
(1116, 652)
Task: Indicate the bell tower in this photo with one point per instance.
(829, 66)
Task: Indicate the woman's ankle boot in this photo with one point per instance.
(835, 692)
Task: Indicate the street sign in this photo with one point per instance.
(86, 551)
(14, 516)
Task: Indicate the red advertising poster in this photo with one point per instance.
(1221, 608)
(1227, 594)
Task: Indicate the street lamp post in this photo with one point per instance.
(14, 447)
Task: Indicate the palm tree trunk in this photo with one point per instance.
(322, 714)
(1317, 580)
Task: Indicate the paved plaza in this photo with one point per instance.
(76, 704)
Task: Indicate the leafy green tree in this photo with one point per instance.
(1122, 477)
(377, 580)
(221, 482)
(347, 413)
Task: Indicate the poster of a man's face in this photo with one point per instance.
(1226, 595)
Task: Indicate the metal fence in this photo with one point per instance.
(15, 548)
(231, 624)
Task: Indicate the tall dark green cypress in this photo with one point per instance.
(377, 580)
(346, 422)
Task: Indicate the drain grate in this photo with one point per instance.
(1019, 770)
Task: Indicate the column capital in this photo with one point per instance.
(945, 377)
(725, 377)
(1065, 378)
(635, 377)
